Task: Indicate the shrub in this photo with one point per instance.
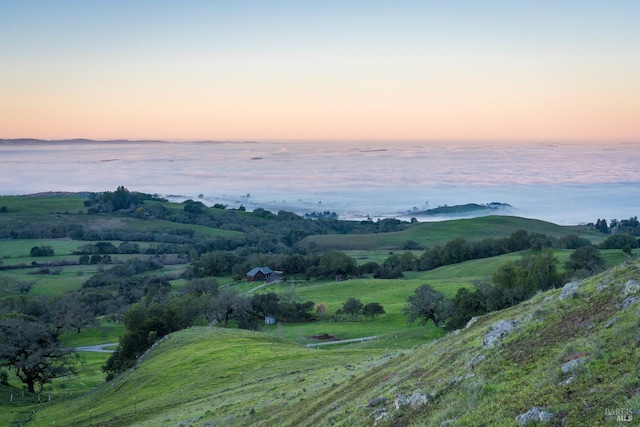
(41, 251)
(619, 241)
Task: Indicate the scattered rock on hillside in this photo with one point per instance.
(601, 288)
(501, 329)
(475, 361)
(376, 402)
(569, 290)
(631, 287)
(414, 401)
(471, 321)
(572, 364)
(460, 378)
(629, 301)
(534, 414)
(610, 322)
(566, 382)
(378, 415)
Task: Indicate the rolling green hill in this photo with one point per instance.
(433, 233)
(572, 353)
(66, 212)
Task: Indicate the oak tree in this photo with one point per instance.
(32, 351)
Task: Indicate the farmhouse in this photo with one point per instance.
(260, 274)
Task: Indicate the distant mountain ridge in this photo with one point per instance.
(36, 141)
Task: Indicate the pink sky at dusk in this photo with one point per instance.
(403, 70)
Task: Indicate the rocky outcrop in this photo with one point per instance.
(501, 329)
(569, 290)
(572, 364)
(471, 321)
(631, 287)
(415, 400)
(379, 415)
(534, 415)
(628, 302)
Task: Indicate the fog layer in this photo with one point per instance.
(562, 183)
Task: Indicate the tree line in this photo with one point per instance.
(512, 283)
(629, 226)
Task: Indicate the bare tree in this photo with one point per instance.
(68, 312)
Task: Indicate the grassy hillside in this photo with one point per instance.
(432, 233)
(212, 376)
(66, 211)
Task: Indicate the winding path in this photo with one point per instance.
(250, 291)
(375, 337)
(100, 348)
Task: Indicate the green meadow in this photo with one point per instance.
(432, 233)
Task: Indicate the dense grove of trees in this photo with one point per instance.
(121, 199)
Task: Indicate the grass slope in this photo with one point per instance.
(212, 376)
(432, 233)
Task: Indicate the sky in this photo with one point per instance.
(330, 70)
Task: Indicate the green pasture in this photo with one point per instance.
(101, 333)
(27, 206)
(432, 233)
(15, 251)
(391, 294)
(378, 256)
(21, 248)
(391, 329)
(68, 279)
